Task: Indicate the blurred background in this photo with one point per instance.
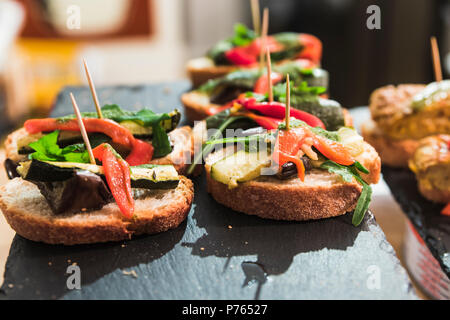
(42, 43)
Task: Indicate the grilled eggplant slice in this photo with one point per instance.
(145, 176)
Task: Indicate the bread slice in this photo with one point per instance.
(28, 213)
(196, 105)
(203, 69)
(321, 195)
(180, 157)
(393, 153)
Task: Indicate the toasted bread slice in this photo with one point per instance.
(321, 195)
(28, 213)
(203, 69)
(180, 157)
(393, 153)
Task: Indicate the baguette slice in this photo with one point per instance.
(203, 69)
(321, 195)
(27, 212)
(180, 157)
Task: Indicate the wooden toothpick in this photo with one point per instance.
(265, 28)
(269, 74)
(288, 102)
(436, 59)
(255, 16)
(82, 129)
(92, 86)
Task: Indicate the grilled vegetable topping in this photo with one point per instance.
(111, 128)
(117, 173)
(239, 167)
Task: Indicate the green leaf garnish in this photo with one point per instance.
(47, 149)
(348, 173)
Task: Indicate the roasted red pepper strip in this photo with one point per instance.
(141, 153)
(117, 173)
(289, 143)
(249, 54)
(446, 210)
(265, 122)
(118, 134)
(333, 150)
(262, 84)
(312, 48)
(239, 56)
(287, 146)
(278, 110)
(213, 110)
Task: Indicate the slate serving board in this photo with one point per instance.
(216, 253)
(433, 227)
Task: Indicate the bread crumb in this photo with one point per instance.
(130, 273)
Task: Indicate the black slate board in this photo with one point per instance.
(216, 254)
(433, 227)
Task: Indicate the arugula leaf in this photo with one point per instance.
(362, 205)
(348, 173)
(47, 149)
(345, 172)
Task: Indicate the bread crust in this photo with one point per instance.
(200, 70)
(393, 153)
(195, 105)
(270, 198)
(180, 157)
(27, 212)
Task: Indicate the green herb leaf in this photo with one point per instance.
(362, 205)
(242, 35)
(348, 173)
(47, 149)
(345, 172)
(143, 117)
(160, 142)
